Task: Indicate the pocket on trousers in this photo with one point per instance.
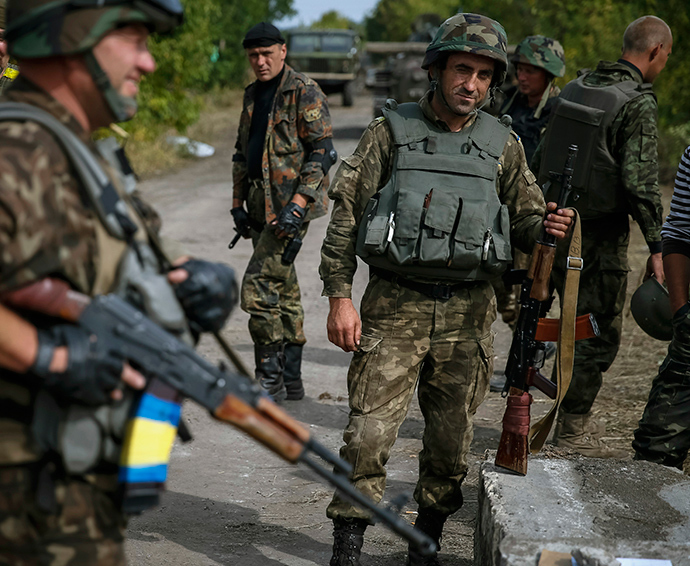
(359, 374)
(483, 371)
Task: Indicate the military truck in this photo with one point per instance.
(329, 56)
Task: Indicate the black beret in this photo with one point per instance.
(262, 35)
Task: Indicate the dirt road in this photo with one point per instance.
(230, 501)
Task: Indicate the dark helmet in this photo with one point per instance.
(543, 52)
(49, 28)
(471, 33)
(651, 308)
(2, 13)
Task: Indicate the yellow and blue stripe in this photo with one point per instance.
(149, 440)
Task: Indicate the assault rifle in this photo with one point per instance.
(230, 397)
(527, 350)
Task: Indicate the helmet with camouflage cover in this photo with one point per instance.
(50, 28)
(471, 33)
(543, 52)
(650, 306)
(2, 13)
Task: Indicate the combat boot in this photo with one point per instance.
(348, 538)
(270, 363)
(292, 375)
(582, 434)
(431, 523)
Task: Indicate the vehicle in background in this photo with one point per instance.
(328, 56)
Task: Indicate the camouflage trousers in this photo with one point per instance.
(603, 284)
(270, 292)
(663, 433)
(87, 529)
(443, 347)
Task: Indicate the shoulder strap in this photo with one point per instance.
(490, 134)
(406, 122)
(97, 186)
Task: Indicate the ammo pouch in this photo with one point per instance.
(439, 216)
(582, 115)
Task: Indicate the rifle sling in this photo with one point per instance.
(565, 356)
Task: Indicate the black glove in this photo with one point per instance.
(93, 370)
(208, 295)
(290, 222)
(241, 218)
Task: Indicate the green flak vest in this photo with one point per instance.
(439, 216)
(583, 115)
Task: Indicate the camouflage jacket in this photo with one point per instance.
(633, 143)
(368, 169)
(46, 229)
(300, 117)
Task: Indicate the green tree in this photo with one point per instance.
(333, 20)
(169, 97)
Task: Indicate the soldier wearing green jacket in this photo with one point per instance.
(280, 175)
(431, 199)
(617, 180)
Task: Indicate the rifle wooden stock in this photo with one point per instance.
(548, 328)
(51, 297)
(540, 271)
(257, 425)
(514, 447)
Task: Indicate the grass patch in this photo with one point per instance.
(220, 113)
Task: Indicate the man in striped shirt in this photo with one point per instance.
(663, 434)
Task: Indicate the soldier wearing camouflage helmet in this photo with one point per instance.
(613, 111)
(432, 199)
(81, 66)
(538, 61)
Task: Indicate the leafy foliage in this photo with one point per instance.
(333, 20)
(206, 50)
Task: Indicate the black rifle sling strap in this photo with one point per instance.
(565, 355)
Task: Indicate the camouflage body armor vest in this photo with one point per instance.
(439, 216)
(582, 116)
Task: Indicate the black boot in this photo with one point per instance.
(270, 362)
(348, 538)
(431, 523)
(292, 376)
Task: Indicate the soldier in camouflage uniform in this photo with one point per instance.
(283, 152)
(49, 227)
(629, 180)
(424, 324)
(663, 434)
(538, 61)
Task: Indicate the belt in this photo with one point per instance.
(433, 290)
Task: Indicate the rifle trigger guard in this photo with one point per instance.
(574, 263)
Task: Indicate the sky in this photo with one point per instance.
(309, 11)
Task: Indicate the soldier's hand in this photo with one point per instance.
(241, 218)
(343, 325)
(206, 290)
(558, 222)
(655, 267)
(289, 221)
(78, 367)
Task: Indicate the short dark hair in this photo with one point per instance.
(645, 33)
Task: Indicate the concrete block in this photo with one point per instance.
(621, 508)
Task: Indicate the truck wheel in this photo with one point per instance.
(348, 94)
